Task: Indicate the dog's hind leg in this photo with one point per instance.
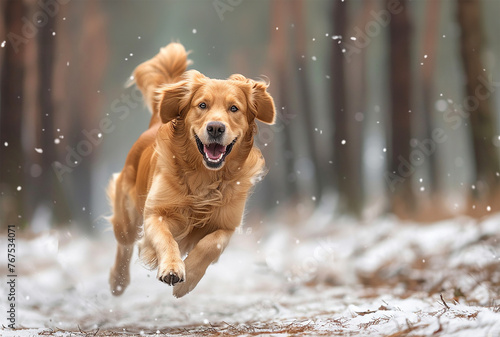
(119, 277)
(126, 221)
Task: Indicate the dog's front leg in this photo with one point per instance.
(160, 243)
(206, 251)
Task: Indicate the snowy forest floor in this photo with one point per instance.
(325, 277)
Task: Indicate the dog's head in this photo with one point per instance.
(217, 114)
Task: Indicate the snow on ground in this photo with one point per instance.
(324, 277)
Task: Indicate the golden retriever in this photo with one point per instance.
(186, 179)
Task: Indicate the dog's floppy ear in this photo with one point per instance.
(170, 100)
(175, 97)
(262, 103)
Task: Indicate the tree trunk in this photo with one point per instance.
(278, 47)
(401, 193)
(87, 100)
(339, 102)
(11, 106)
(478, 101)
(431, 32)
(77, 107)
(355, 82)
(347, 139)
(306, 110)
(44, 193)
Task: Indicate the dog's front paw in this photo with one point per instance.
(172, 273)
(193, 277)
(182, 289)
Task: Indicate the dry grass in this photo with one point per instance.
(433, 275)
(375, 321)
(295, 328)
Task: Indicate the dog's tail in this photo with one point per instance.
(166, 67)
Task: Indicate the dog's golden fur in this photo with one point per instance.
(179, 192)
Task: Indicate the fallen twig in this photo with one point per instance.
(444, 302)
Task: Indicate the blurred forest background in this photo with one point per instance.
(385, 106)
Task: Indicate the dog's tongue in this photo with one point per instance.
(214, 150)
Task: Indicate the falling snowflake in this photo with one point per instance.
(441, 105)
(39, 150)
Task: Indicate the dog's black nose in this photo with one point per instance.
(216, 129)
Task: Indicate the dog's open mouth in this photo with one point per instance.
(214, 153)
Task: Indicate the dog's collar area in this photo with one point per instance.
(214, 153)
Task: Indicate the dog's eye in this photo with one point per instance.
(202, 105)
(234, 108)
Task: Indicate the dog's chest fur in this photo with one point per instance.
(203, 200)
